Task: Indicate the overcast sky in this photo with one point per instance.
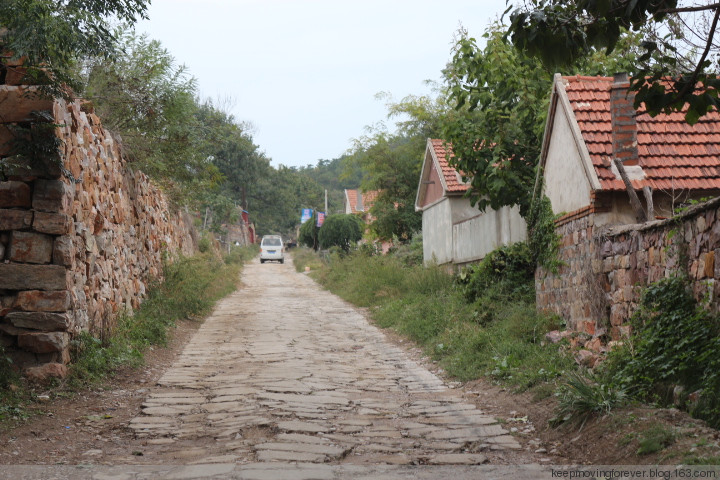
(305, 72)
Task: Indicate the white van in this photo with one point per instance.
(272, 248)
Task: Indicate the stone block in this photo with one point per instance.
(43, 373)
(44, 321)
(52, 196)
(21, 166)
(7, 140)
(43, 301)
(51, 223)
(44, 342)
(15, 194)
(17, 103)
(32, 277)
(64, 251)
(15, 219)
(709, 270)
(28, 247)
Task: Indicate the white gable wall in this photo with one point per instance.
(566, 183)
(437, 232)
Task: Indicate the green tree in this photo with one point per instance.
(52, 35)
(309, 233)
(150, 101)
(340, 230)
(677, 43)
(500, 97)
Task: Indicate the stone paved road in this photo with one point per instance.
(286, 372)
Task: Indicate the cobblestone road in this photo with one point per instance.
(286, 372)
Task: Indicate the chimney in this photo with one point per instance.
(624, 125)
(359, 207)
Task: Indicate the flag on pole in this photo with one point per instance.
(306, 215)
(320, 219)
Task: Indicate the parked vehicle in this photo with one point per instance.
(272, 248)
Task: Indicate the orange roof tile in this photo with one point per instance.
(672, 154)
(368, 199)
(451, 176)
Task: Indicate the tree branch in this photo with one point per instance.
(698, 67)
(703, 8)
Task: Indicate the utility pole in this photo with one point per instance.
(326, 201)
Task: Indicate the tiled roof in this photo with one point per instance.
(368, 199)
(672, 154)
(452, 178)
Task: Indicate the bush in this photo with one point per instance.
(509, 270)
(340, 230)
(675, 343)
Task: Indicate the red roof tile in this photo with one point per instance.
(451, 176)
(672, 154)
(368, 200)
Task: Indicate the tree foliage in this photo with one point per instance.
(501, 99)
(340, 230)
(52, 35)
(677, 44)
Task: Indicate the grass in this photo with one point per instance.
(654, 439)
(428, 306)
(191, 287)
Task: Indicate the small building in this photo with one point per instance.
(359, 203)
(591, 122)
(454, 231)
(242, 232)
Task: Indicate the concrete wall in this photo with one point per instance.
(74, 255)
(437, 232)
(566, 182)
(456, 232)
(479, 235)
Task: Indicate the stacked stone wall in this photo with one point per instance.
(599, 288)
(80, 239)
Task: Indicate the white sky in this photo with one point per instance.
(305, 72)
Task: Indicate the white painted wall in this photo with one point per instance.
(437, 232)
(476, 237)
(566, 183)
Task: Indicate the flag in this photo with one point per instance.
(306, 215)
(320, 219)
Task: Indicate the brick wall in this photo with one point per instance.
(74, 254)
(607, 268)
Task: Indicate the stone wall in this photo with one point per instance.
(80, 239)
(606, 268)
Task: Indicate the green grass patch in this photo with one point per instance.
(497, 333)
(305, 257)
(655, 439)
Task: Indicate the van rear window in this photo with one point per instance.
(271, 242)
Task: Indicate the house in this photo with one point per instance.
(591, 123)
(358, 202)
(592, 120)
(455, 232)
(242, 232)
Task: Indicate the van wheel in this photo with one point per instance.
(282, 260)
(262, 261)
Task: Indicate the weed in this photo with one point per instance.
(581, 397)
(655, 439)
(191, 287)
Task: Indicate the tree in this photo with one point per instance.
(678, 67)
(309, 233)
(51, 35)
(340, 230)
(150, 101)
(501, 99)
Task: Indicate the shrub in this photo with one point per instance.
(508, 270)
(581, 397)
(340, 230)
(675, 342)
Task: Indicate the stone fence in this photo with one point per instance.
(81, 237)
(599, 287)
